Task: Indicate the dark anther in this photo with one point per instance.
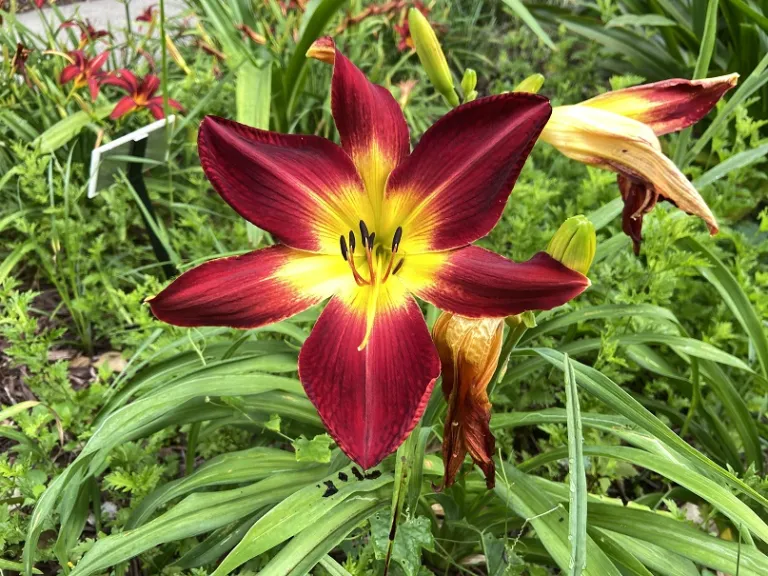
(343, 244)
(398, 266)
(364, 232)
(351, 241)
(330, 489)
(357, 473)
(371, 238)
(396, 239)
(343, 477)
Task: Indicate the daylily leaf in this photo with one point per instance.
(500, 558)
(412, 535)
(316, 450)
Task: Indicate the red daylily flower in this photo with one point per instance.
(148, 15)
(39, 3)
(368, 224)
(87, 32)
(85, 71)
(141, 94)
(403, 29)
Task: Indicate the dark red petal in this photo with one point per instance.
(453, 188)
(304, 190)
(369, 400)
(124, 79)
(175, 104)
(68, 73)
(669, 105)
(149, 85)
(371, 125)
(96, 64)
(93, 88)
(156, 109)
(123, 107)
(475, 282)
(249, 291)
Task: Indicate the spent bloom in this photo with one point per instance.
(19, 61)
(469, 350)
(148, 15)
(368, 225)
(141, 94)
(84, 71)
(87, 32)
(619, 131)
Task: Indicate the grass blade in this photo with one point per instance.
(530, 20)
(577, 510)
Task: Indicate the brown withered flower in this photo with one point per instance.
(469, 350)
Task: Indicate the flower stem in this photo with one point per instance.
(513, 338)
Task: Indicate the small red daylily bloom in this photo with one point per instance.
(368, 224)
(141, 94)
(148, 15)
(403, 29)
(85, 71)
(39, 3)
(87, 32)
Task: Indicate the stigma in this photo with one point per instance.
(372, 252)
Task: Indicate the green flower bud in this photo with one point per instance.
(469, 81)
(532, 84)
(527, 318)
(431, 55)
(574, 244)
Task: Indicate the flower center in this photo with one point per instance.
(372, 252)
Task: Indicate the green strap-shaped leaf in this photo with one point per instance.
(577, 510)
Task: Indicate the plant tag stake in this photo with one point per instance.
(137, 151)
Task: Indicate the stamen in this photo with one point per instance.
(371, 238)
(398, 266)
(364, 233)
(351, 241)
(343, 244)
(359, 280)
(396, 239)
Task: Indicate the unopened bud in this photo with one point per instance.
(431, 55)
(469, 81)
(527, 318)
(574, 244)
(532, 84)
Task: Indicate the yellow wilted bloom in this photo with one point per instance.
(619, 131)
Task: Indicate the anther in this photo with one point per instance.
(343, 244)
(364, 233)
(351, 241)
(396, 239)
(371, 238)
(398, 266)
